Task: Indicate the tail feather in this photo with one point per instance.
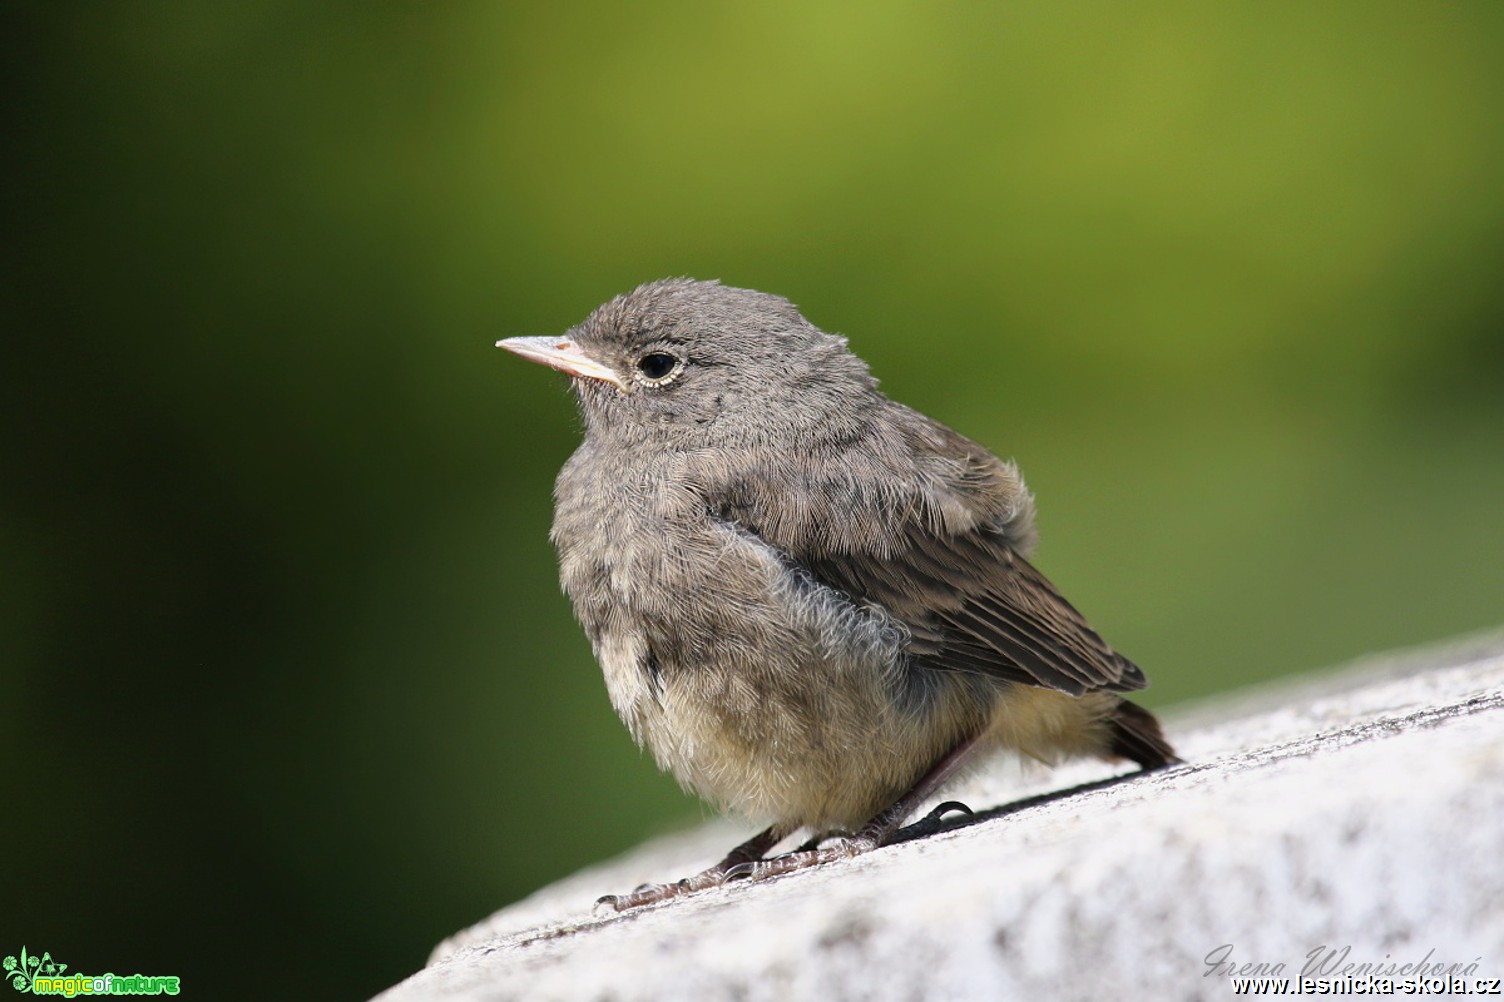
(1136, 735)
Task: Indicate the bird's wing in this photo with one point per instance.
(972, 604)
(934, 546)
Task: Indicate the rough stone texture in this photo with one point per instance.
(1359, 809)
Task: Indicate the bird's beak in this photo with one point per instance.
(563, 354)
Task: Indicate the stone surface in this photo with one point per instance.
(1359, 810)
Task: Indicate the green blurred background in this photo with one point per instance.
(288, 688)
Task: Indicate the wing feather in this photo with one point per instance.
(934, 537)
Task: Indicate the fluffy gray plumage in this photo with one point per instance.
(802, 594)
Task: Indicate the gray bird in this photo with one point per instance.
(811, 603)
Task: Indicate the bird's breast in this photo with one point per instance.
(754, 683)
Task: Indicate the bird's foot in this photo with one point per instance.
(651, 894)
(802, 859)
(879, 832)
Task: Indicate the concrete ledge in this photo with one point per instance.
(1356, 811)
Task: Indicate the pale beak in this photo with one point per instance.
(563, 354)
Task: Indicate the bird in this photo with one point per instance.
(812, 604)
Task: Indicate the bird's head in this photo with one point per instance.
(686, 364)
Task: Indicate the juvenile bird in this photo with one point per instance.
(811, 603)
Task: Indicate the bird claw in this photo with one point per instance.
(934, 820)
(642, 894)
(742, 870)
(615, 902)
(951, 807)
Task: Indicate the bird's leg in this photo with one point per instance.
(746, 860)
(923, 828)
(879, 831)
(749, 851)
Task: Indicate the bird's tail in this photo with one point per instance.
(1136, 735)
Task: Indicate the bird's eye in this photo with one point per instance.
(658, 366)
